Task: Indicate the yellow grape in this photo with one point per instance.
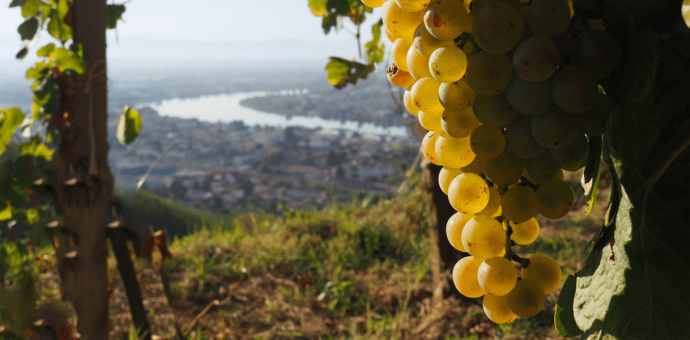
(409, 105)
(448, 64)
(497, 28)
(457, 96)
(399, 77)
(543, 270)
(574, 156)
(447, 175)
(497, 275)
(488, 74)
(549, 18)
(426, 44)
(541, 169)
(373, 3)
(454, 229)
(399, 53)
(429, 147)
(527, 299)
(505, 169)
(389, 35)
(399, 22)
(494, 204)
(459, 124)
(519, 204)
(526, 232)
(497, 310)
(536, 59)
(494, 111)
(412, 5)
(454, 152)
(417, 64)
(468, 193)
(447, 19)
(487, 142)
(475, 167)
(498, 213)
(430, 120)
(425, 95)
(555, 198)
(465, 277)
(483, 237)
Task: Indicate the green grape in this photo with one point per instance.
(478, 5)
(454, 229)
(448, 64)
(555, 199)
(597, 50)
(488, 74)
(549, 18)
(594, 121)
(559, 175)
(526, 232)
(425, 95)
(497, 28)
(554, 129)
(429, 147)
(494, 204)
(399, 53)
(536, 59)
(520, 140)
(475, 167)
(409, 105)
(454, 152)
(373, 3)
(399, 22)
(483, 237)
(497, 310)
(417, 64)
(457, 96)
(519, 204)
(459, 124)
(543, 270)
(574, 156)
(431, 120)
(542, 168)
(445, 176)
(505, 169)
(426, 44)
(468, 193)
(494, 111)
(497, 275)
(412, 5)
(527, 299)
(487, 142)
(528, 97)
(574, 89)
(465, 277)
(447, 19)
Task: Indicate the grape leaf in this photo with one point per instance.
(57, 27)
(10, 119)
(318, 7)
(68, 60)
(115, 12)
(341, 72)
(639, 73)
(564, 319)
(374, 48)
(592, 173)
(129, 127)
(29, 29)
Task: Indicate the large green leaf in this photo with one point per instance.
(341, 72)
(57, 27)
(66, 59)
(639, 73)
(10, 119)
(129, 126)
(564, 320)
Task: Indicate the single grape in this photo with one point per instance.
(447, 19)
(494, 204)
(454, 152)
(454, 229)
(483, 237)
(536, 59)
(542, 168)
(549, 18)
(392, 38)
(574, 156)
(494, 111)
(429, 147)
(574, 89)
(594, 121)
(399, 77)
(597, 50)
(487, 142)
(505, 169)
(468, 193)
(448, 64)
(399, 22)
(447, 175)
(459, 124)
(457, 96)
(497, 275)
(554, 129)
(465, 277)
(409, 105)
(555, 199)
(417, 64)
(497, 28)
(475, 167)
(431, 120)
(488, 74)
(527, 97)
(519, 204)
(399, 53)
(426, 44)
(497, 310)
(526, 232)
(373, 3)
(412, 5)
(543, 270)
(527, 299)
(425, 95)
(520, 140)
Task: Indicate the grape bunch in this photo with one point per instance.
(509, 94)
